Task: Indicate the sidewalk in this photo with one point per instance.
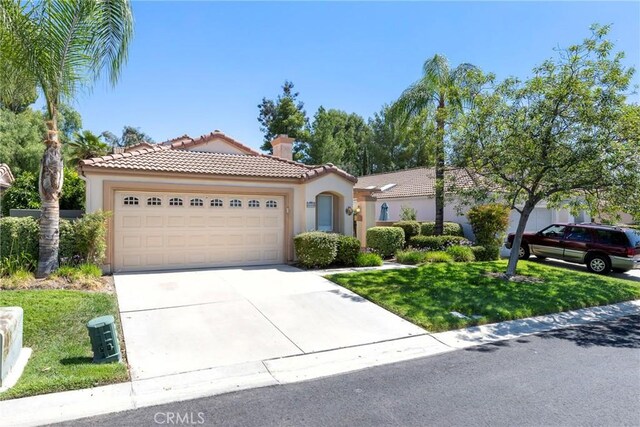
(57, 407)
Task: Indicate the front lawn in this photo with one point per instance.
(55, 328)
(427, 295)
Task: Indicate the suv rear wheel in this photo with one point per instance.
(523, 252)
(600, 264)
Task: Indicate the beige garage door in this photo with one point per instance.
(156, 231)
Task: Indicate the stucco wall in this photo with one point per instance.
(426, 207)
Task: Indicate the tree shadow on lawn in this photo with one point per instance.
(428, 295)
(76, 361)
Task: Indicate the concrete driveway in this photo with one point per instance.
(178, 322)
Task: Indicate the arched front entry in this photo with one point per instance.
(328, 212)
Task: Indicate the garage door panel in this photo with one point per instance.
(206, 230)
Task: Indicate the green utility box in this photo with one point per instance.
(104, 339)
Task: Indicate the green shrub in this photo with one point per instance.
(89, 237)
(385, 240)
(75, 273)
(82, 240)
(478, 252)
(19, 236)
(436, 243)
(407, 213)
(437, 256)
(13, 264)
(448, 229)
(410, 257)
(316, 249)
(368, 260)
(411, 228)
(461, 253)
(489, 223)
(489, 253)
(23, 193)
(347, 250)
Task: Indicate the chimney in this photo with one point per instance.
(283, 147)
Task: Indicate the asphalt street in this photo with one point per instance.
(581, 376)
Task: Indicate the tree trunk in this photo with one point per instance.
(517, 239)
(439, 225)
(50, 186)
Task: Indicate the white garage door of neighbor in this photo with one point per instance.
(156, 231)
(539, 219)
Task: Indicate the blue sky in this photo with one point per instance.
(199, 66)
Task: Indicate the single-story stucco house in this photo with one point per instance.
(212, 201)
(415, 188)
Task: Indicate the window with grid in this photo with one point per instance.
(235, 203)
(175, 201)
(272, 204)
(216, 203)
(154, 201)
(254, 203)
(196, 202)
(131, 201)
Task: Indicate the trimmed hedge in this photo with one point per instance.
(436, 243)
(348, 250)
(385, 240)
(448, 229)
(316, 249)
(82, 240)
(411, 228)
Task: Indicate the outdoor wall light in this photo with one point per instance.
(349, 210)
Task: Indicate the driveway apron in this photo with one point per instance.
(176, 322)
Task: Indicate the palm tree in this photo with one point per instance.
(63, 45)
(85, 146)
(440, 93)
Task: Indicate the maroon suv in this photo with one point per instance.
(601, 247)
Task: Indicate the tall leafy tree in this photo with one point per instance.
(340, 138)
(21, 139)
(17, 91)
(132, 136)
(399, 143)
(563, 135)
(440, 93)
(284, 115)
(85, 146)
(63, 45)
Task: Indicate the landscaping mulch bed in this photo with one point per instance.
(103, 284)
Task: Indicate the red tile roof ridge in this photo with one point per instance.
(114, 156)
(208, 137)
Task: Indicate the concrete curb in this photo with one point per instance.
(70, 405)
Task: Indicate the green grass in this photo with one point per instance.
(368, 260)
(426, 295)
(54, 327)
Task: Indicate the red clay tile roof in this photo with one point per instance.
(174, 158)
(185, 141)
(417, 182)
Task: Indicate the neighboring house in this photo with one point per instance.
(415, 188)
(212, 201)
(6, 177)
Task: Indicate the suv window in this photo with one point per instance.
(579, 234)
(611, 237)
(554, 231)
(634, 237)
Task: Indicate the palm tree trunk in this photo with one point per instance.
(439, 225)
(50, 186)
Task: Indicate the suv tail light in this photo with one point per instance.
(631, 252)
